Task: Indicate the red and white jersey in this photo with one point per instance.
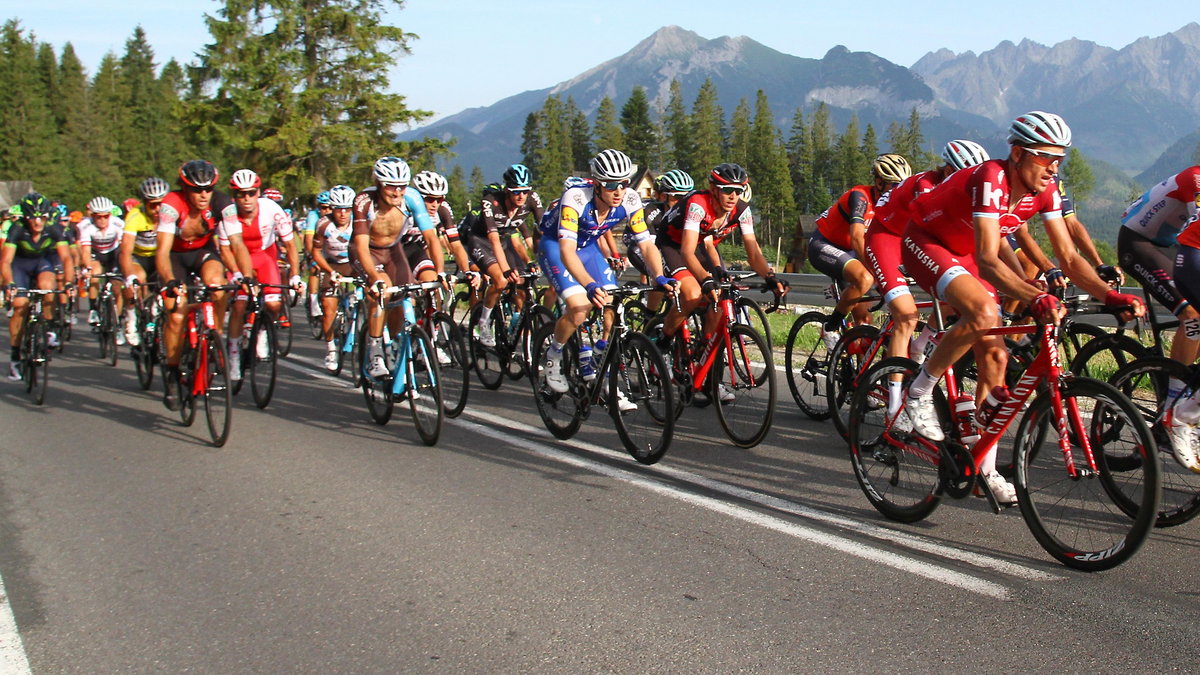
(101, 241)
(948, 211)
(270, 223)
(894, 208)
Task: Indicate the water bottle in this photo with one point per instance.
(964, 417)
(586, 369)
(995, 398)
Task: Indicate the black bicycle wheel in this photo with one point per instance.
(488, 362)
(262, 362)
(283, 331)
(28, 376)
(1101, 357)
(561, 413)
(748, 312)
(453, 364)
(187, 400)
(640, 398)
(742, 384)
(39, 365)
(108, 331)
(218, 396)
(143, 353)
(376, 391)
(850, 360)
(1144, 383)
(807, 365)
(316, 323)
(899, 471)
(424, 389)
(522, 350)
(340, 331)
(1078, 519)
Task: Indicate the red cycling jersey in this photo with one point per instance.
(947, 212)
(856, 206)
(894, 209)
(695, 212)
(221, 213)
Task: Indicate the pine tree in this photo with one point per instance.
(581, 140)
(870, 144)
(707, 132)
(83, 134)
(475, 186)
(531, 143)
(457, 192)
(677, 132)
(1079, 177)
(739, 135)
(848, 159)
(641, 138)
(821, 136)
(769, 173)
(145, 135)
(605, 132)
(556, 157)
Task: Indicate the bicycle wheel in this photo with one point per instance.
(377, 392)
(340, 331)
(899, 471)
(218, 396)
(488, 362)
(143, 354)
(424, 390)
(1100, 357)
(807, 365)
(187, 399)
(640, 382)
(1144, 383)
(522, 350)
(39, 365)
(316, 325)
(1079, 520)
(561, 413)
(742, 384)
(848, 362)
(108, 331)
(748, 312)
(453, 364)
(283, 330)
(262, 364)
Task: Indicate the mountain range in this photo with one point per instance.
(1126, 107)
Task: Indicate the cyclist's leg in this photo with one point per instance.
(1153, 268)
(883, 256)
(689, 292)
(840, 265)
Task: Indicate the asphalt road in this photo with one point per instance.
(316, 540)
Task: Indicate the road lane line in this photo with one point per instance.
(12, 652)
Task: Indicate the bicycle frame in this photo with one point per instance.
(700, 366)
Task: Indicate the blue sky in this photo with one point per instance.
(473, 53)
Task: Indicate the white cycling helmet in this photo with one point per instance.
(1039, 128)
(341, 196)
(100, 205)
(961, 153)
(244, 179)
(392, 171)
(431, 184)
(612, 165)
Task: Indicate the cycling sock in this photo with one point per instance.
(922, 384)
(833, 322)
(1175, 387)
(485, 313)
(895, 396)
(1188, 410)
(988, 464)
(331, 346)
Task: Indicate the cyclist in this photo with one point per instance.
(263, 222)
(309, 231)
(190, 220)
(1182, 417)
(423, 247)
(499, 244)
(138, 246)
(100, 241)
(715, 213)
(383, 213)
(433, 188)
(952, 249)
(25, 263)
(569, 252)
(1150, 227)
(669, 188)
(883, 243)
(836, 248)
(330, 255)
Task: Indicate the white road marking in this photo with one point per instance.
(12, 652)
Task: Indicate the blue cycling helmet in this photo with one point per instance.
(323, 198)
(517, 176)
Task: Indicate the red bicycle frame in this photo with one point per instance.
(698, 368)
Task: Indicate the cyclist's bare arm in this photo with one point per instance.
(992, 268)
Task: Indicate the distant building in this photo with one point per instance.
(12, 191)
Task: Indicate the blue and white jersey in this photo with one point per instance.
(574, 217)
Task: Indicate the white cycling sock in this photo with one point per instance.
(895, 396)
(1188, 410)
(922, 384)
(988, 465)
(485, 313)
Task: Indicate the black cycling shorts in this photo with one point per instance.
(1152, 266)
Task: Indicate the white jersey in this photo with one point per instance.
(102, 241)
(337, 241)
(271, 223)
(1161, 212)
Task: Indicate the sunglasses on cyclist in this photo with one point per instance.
(434, 200)
(197, 189)
(733, 189)
(246, 193)
(614, 185)
(1044, 158)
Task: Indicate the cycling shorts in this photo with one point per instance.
(883, 259)
(389, 260)
(676, 267)
(108, 261)
(1151, 265)
(327, 286)
(186, 263)
(418, 258)
(147, 264)
(827, 258)
(550, 258)
(634, 254)
(481, 254)
(1187, 273)
(267, 272)
(26, 270)
(933, 266)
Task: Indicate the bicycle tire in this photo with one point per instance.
(27, 355)
(453, 364)
(376, 392)
(108, 320)
(218, 395)
(900, 473)
(639, 375)
(487, 362)
(1078, 520)
(283, 331)
(522, 352)
(1144, 383)
(39, 370)
(562, 414)
(187, 401)
(262, 368)
(748, 312)
(746, 417)
(424, 390)
(143, 353)
(846, 367)
(807, 365)
(339, 332)
(316, 323)
(1100, 357)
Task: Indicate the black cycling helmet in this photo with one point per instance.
(198, 173)
(728, 174)
(35, 205)
(517, 176)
